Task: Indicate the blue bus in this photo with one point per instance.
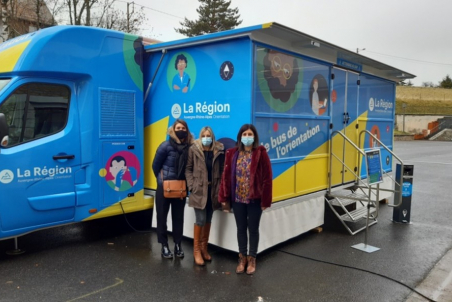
(83, 110)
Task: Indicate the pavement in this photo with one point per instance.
(105, 260)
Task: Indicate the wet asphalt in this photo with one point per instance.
(105, 260)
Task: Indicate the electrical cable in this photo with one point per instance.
(162, 12)
(359, 269)
(309, 258)
(414, 60)
(125, 217)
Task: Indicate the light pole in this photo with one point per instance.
(359, 49)
(403, 125)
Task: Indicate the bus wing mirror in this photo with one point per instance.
(3, 131)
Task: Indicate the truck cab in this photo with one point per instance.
(71, 127)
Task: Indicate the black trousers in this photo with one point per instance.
(162, 205)
(247, 219)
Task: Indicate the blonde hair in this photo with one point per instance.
(204, 129)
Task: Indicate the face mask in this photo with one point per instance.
(247, 140)
(181, 134)
(206, 141)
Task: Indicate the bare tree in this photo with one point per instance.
(79, 11)
(129, 21)
(18, 17)
(103, 13)
(428, 84)
(56, 8)
(402, 83)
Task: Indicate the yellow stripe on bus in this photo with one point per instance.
(154, 135)
(10, 56)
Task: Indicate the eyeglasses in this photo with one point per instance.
(286, 68)
(181, 64)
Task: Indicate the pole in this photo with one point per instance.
(128, 17)
(1, 21)
(403, 106)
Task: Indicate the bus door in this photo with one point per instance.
(39, 164)
(344, 117)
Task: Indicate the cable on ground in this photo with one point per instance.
(359, 269)
(125, 217)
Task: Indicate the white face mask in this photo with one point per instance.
(247, 140)
(206, 141)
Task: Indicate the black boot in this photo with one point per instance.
(166, 252)
(178, 250)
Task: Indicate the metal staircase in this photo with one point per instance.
(357, 205)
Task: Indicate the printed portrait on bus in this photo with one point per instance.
(181, 80)
(318, 94)
(121, 171)
(181, 73)
(373, 143)
(279, 77)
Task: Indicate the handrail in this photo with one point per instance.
(331, 152)
(436, 130)
(394, 156)
(356, 176)
(373, 192)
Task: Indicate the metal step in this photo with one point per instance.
(342, 195)
(341, 202)
(357, 214)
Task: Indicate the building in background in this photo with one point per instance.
(18, 17)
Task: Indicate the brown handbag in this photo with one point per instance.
(174, 188)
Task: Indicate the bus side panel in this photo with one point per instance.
(377, 99)
(113, 141)
(212, 87)
(291, 115)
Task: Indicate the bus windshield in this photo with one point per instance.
(3, 83)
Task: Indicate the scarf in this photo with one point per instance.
(181, 158)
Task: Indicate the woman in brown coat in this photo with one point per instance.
(203, 173)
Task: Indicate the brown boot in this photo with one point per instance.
(205, 241)
(242, 264)
(197, 245)
(251, 265)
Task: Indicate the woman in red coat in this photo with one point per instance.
(246, 185)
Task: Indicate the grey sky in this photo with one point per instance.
(412, 35)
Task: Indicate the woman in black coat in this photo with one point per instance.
(170, 161)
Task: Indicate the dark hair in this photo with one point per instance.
(180, 57)
(239, 136)
(118, 159)
(181, 121)
(278, 91)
